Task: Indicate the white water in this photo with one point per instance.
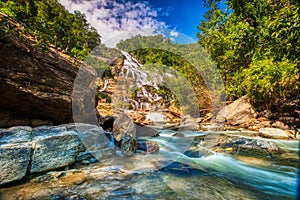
(132, 69)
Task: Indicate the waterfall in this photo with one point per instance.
(132, 69)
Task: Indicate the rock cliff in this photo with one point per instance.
(35, 85)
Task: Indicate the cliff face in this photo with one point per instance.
(35, 85)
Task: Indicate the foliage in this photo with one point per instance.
(252, 41)
(52, 24)
(266, 79)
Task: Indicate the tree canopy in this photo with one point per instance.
(52, 24)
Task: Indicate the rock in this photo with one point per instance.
(148, 146)
(18, 134)
(124, 132)
(280, 124)
(31, 150)
(9, 119)
(54, 151)
(237, 112)
(188, 123)
(179, 169)
(15, 150)
(240, 145)
(93, 137)
(157, 117)
(173, 126)
(71, 197)
(93, 156)
(291, 133)
(14, 161)
(35, 86)
(178, 134)
(144, 131)
(274, 133)
(211, 127)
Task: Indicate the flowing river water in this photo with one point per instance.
(178, 170)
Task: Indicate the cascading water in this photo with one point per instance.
(144, 91)
(131, 69)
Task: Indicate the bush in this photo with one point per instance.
(267, 81)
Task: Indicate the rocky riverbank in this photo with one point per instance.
(65, 172)
(26, 150)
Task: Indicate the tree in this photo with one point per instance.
(52, 24)
(254, 40)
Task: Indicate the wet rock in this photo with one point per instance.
(188, 123)
(14, 161)
(274, 133)
(54, 151)
(240, 145)
(181, 169)
(124, 132)
(237, 112)
(148, 146)
(144, 131)
(94, 156)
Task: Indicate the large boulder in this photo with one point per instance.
(124, 131)
(35, 85)
(240, 145)
(54, 151)
(238, 112)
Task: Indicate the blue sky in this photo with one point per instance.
(183, 16)
(122, 19)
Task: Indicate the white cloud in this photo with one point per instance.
(174, 33)
(116, 20)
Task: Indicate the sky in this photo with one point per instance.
(122, 19)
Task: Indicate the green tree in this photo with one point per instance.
(251, 42)
(52, 24)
